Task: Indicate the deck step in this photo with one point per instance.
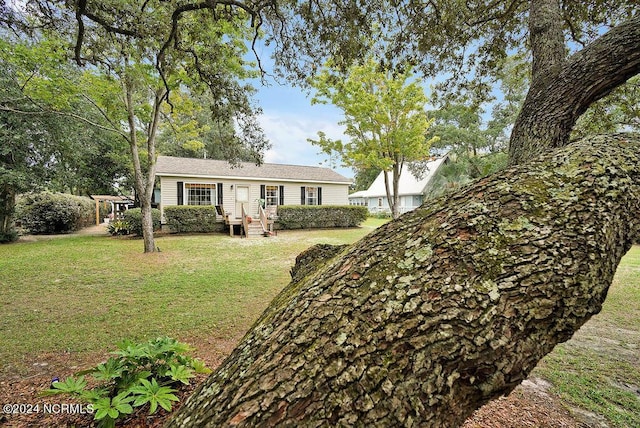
(255, 229)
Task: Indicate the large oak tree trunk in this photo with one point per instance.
(441, 310)
(562, 90)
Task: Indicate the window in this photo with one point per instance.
(200, 193)
(272, 194)
(312, 196)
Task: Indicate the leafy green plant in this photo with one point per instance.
(139, 374)
(118, 227)
(133, 219)
(46, 213)
(192, 219)
(320, 216)
(154, 394)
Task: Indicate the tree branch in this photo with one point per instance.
(558, 97)
(64, 114)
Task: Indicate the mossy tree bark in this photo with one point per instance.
(441, 310)
(562, 89)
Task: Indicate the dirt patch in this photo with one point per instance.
(529, 405)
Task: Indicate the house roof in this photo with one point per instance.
(210, 168)
(112, 198)
(409, 184)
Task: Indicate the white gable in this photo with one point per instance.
(409, 184)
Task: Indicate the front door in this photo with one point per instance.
(242, 197)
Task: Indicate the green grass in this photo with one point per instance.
(599, 368)
(83, 294)
(86, 293)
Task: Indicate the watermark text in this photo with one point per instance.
(46, 408)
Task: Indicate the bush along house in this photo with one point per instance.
(246, 197)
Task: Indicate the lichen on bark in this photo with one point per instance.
(441, 310)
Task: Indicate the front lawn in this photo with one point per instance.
(71, 299)
(79, 294)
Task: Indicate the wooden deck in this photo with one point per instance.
(253, 229)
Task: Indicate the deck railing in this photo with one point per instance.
(264, 221)
(245, 223)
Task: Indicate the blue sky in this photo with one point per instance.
(288, 119)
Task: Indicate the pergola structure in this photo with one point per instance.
(119, 204)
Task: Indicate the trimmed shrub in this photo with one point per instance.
(192, 219)
(133, 220)
(320, 216)
(46, 213)
(10, 235)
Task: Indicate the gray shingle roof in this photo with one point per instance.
(190, 167)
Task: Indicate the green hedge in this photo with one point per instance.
(46, 213)
(320, 216)
(133, 220)
(192, 219)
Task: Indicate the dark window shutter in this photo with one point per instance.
(281, 195)
(180, 193)
(319, 195)
(263, 191)
(220, 195)
(303, 195)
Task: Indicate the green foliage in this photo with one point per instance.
(192, 218)
(50, 143)
(381, 215)
(459, 117)
(617, 112)
(384, 116)
(133, 219)
(9, 235)
(71, 385)
(154, 394)
(462, 169)
(45, 213)
(118, 227)
(320, 216)
(140, 374)
(107, 410)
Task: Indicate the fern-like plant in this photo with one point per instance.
(140, 374)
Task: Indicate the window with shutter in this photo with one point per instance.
(271, 195)
(311, 196)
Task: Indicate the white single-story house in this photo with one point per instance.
(412, 190)
(189, 181)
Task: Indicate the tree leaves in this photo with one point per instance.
(384, 116)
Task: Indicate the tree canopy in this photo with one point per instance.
(138, 58)
(385, 120)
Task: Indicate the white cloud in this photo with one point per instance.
(288, 133)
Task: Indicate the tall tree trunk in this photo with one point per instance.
(435, 313)
(144, 177)
(563, 90)
(7, 210)
(390, 196)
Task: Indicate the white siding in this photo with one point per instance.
(332, 194)
(168, 193)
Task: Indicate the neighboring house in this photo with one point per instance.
(188, 181)
(412, 190)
